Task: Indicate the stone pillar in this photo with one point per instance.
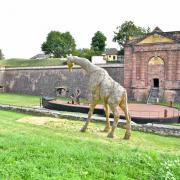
(142, 71)
(134, 71)
(128, 67)
(178, 66)
(169, 65)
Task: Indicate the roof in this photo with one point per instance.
(41, 56)
(111, 51)
(174, 35)
(157, 29)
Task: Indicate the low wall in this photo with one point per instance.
(43, 80)
(161, 129)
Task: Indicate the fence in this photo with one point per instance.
(141, 117)
(150, 128)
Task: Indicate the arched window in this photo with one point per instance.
(156, 60)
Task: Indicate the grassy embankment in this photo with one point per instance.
(32, 62)
(57, 150)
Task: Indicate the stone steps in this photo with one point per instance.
(154, 95)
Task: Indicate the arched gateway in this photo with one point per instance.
(156, 73)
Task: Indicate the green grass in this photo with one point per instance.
(175, 104)
(57, 150)
(19, 99)
(32, 62)
(27, 100)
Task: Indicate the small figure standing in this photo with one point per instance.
(75, 98)
(72, 98)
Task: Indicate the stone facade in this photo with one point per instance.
(153, 61)
(44, 80)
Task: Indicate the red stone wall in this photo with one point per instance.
(128, 69)
(138, 75)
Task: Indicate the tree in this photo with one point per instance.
(59, 44)
(85, 53)
(98, 42)
(1, 54)
(126, 30)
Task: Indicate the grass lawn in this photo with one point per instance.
(19, 99)
(27, 100)
(32, 62)
(57, 150)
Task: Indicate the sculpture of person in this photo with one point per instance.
(75, 97)
(72, 98)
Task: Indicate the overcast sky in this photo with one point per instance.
(26, 23)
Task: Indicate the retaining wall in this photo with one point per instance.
(43, 80)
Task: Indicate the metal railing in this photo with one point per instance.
(160, 116)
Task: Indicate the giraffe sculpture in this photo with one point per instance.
(102, 86)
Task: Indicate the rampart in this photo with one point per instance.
(44, 80)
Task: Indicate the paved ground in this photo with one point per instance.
(142, 110)
(149, 110)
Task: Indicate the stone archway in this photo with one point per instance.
(156, 73)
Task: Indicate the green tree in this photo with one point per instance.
(59, 44)
(126, 30)
(1, 54)
(98, 42)
(86, 53)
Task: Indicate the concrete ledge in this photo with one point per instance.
(161, 129)
(167, 130)
(59, 67)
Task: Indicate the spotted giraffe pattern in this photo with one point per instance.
(102, 86)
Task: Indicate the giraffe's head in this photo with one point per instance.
(70, 62)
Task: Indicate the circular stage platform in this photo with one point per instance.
(140, 113)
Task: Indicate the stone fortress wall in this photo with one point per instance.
(44, 80)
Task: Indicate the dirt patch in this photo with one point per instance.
(38, 120)
(57, 123)
(52, 122)
(64, 125)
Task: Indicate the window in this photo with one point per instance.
(156, 60)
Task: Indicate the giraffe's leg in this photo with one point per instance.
(107, 127)
(90, 113)
(116, 119)
(124, 107)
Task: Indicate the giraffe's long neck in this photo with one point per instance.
(85, 64)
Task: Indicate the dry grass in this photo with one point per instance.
(63, 124)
